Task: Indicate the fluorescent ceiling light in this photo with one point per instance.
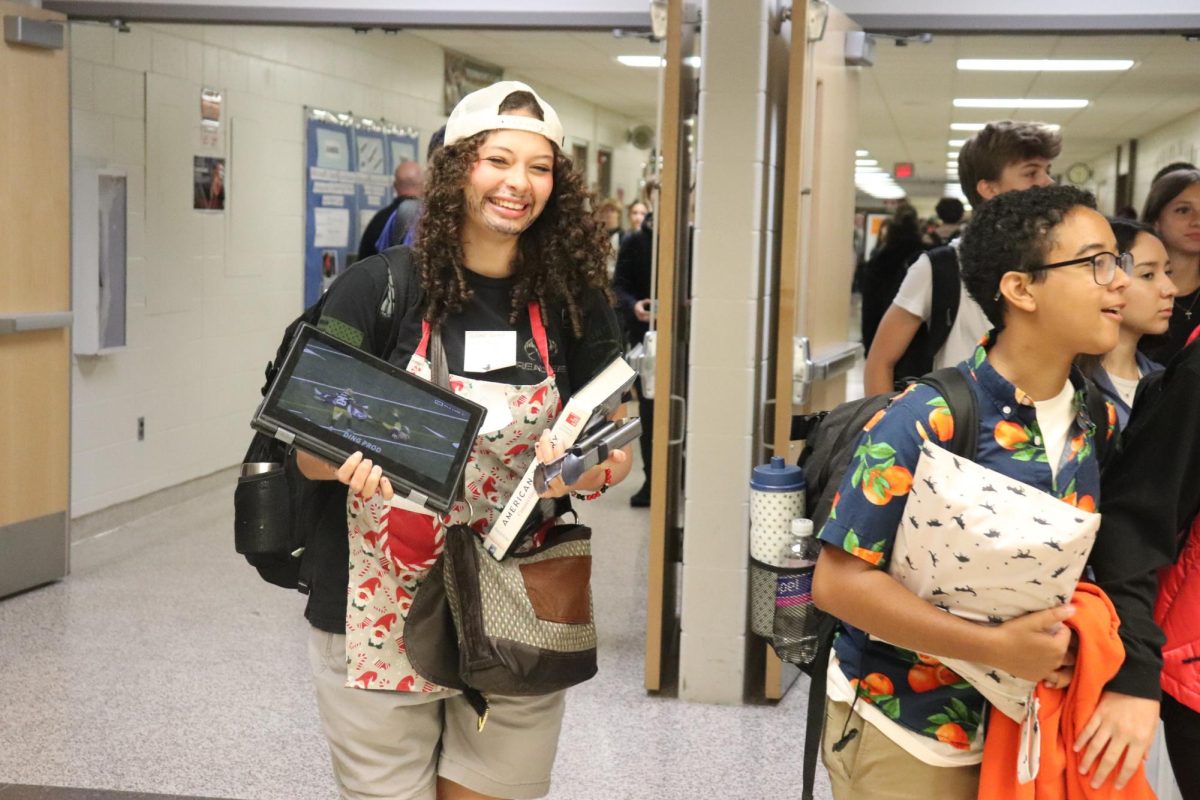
(1019, 102)
(654, 61)
(1045, 64)
(865, 162)
(957, 142)
(860, 153)
(952, 155)
(978, 126)
(867, 170)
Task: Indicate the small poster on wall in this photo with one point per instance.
(463, 76)
(208, 183)
(210, 117)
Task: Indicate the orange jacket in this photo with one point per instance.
(1062, 715)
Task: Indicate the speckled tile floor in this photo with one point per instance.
(164, 665)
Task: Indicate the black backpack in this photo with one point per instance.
(931, 337)
(830, 439)
(275, 511)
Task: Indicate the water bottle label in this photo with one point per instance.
(793, 590)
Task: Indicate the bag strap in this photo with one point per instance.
(946, 293)
(393, 304)
(438, 366)
(952, 385)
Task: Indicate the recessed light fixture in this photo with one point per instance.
(651, 62)
(957, 142)
(952, 155)
(861, 153)
(1019, 102)
(865, 162)
(867, 170)
(1045, 64)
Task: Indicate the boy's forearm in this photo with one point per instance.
(874, 602)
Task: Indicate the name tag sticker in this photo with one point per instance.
(484, 351)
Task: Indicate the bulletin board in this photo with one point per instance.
(349, 162)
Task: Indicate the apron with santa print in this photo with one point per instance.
(393, 545)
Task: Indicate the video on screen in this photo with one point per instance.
(375, 412)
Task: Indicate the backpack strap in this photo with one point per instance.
(946, 293)
(393, 304)
(960, 399)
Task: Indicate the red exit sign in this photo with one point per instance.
(904, 169)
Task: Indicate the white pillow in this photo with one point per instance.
(988, 548)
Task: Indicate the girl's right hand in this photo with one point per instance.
(364, 477)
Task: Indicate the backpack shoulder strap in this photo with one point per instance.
(952, 385)
(947, 290)
(393, 304)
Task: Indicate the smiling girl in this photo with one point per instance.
(510, 264)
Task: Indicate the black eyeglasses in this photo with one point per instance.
(1104, 265)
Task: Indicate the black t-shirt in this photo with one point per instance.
(351, 311)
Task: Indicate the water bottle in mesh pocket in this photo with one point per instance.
(796, 631)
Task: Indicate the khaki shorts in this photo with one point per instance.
(873, 766)
(394, 745)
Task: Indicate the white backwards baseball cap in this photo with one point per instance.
(480, 111)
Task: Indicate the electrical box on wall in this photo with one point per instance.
(98, 234)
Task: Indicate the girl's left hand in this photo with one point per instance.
(548, 448)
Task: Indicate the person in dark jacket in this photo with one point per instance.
(885, 270)
(631, 285)
(407, 183)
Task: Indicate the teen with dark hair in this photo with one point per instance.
(1042, 264)
(950, 211)
(507, 247)
(1003, 157)
(1149, 302)
(1173, 208)
(1172, 167)
(884, 272)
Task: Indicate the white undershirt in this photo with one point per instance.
(1054, 417)
(1126, 387)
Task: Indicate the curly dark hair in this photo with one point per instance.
(1012, 232)
(560, 258)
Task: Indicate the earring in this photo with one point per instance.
(997, 296)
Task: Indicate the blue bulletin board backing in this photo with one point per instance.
(348, 170)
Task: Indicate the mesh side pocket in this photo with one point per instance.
(763, 580)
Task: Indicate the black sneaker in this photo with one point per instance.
(641, 498)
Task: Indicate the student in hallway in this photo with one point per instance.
(1173, 208)
(1149, 301)
(1003, 157)
(1042, 265)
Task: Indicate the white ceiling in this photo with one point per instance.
(582, 64)
(906, 107)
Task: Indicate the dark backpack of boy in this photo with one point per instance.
(931, 336)
(276, 509)
(830, 439)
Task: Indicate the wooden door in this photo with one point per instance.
(35, 302)
(816, 261)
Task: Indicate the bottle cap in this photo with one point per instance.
(778, 476)
(802, 527)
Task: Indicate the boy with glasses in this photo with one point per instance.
(1042, 265)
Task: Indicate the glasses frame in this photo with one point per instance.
(1123, 260)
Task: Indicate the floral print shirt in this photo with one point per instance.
(915, 689)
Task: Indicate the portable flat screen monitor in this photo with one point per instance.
(332, 399)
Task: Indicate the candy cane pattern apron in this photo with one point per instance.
(393, 546)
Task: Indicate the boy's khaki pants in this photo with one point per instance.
(873, 766)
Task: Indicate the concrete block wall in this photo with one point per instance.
(739, 168)
(209, 294)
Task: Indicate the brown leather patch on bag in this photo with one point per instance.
(558, 589)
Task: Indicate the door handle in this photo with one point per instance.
(807, 370)
(19, 323)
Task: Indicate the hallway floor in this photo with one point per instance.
(164, 666)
